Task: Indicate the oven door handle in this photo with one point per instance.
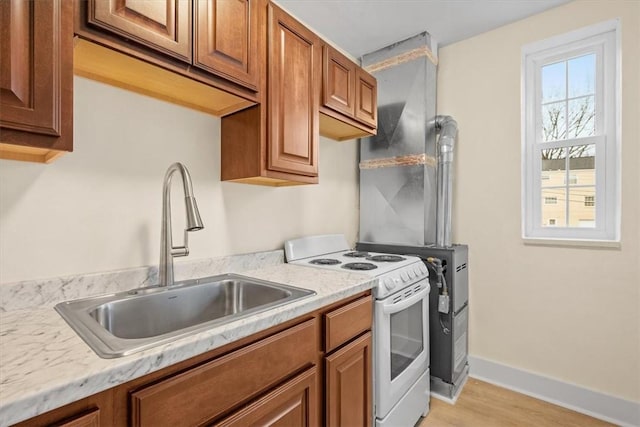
(399, 306)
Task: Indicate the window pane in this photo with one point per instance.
(582, 209)
(554, 121)
(582, 71)
(554, 213)
(582, 165)
(582, 114)
(554, 81)
(553, 167)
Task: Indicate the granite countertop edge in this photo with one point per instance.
(46, 365)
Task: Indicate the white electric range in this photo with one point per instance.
(401, 321)
(332, 252)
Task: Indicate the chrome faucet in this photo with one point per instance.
(194, 223)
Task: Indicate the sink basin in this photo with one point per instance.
(120, 324)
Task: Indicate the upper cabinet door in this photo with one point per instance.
(226, 39)
(164, 25)
(366, 98)
(293, 92)
(36, 73)
(338, 83)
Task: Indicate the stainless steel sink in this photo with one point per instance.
(120, 324)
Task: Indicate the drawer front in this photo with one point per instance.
(88, 419)
(295, 403)
(347, 322)
(203, 393)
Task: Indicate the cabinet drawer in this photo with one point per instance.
(203, 393)
(347, 322)
(295, 403)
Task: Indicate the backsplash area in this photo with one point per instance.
(99, 208)
(48, 292)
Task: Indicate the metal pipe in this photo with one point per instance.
(447, 127)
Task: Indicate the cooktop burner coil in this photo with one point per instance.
(324, 261)
(360, 266)
(357, 254)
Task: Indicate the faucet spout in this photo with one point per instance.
(194, 223)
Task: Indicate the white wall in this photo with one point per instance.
(568, 313)
(99, 208)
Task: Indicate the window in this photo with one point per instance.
(570, 138)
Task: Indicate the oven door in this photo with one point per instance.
(401, 344)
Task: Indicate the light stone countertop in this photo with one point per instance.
(44, 364)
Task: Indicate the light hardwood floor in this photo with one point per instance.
(485, 405)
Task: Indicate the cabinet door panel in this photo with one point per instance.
(163, 25)
(366, 98)
(294, 65)
(35, 70)
(348, 384)
(338, 80)
(294, 403)
(226, 39)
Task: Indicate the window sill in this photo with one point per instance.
(573, 243)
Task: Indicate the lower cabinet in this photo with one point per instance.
(311, 371)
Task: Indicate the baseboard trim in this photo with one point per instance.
(595, 404)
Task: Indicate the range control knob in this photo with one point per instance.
(404, 276)
(412, 274)
(389, 283)
(418, 271)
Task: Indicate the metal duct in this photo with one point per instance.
(398, 165)
(405, 193)
(448, 129)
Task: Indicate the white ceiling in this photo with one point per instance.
(362, 26)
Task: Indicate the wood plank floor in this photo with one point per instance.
(485, 405)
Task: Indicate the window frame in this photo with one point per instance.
(604, 39)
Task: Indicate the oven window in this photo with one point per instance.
(406, 338)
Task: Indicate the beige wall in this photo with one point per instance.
(568, 313)
(99, 208)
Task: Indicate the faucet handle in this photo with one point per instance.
(183, 250)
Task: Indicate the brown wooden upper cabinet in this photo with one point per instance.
(276, 143)
(163, 25)
(349, 103)
(219, 37)
(366, 98)
(294, 60)
(226, 39)
(339, 81)
(36, 79)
